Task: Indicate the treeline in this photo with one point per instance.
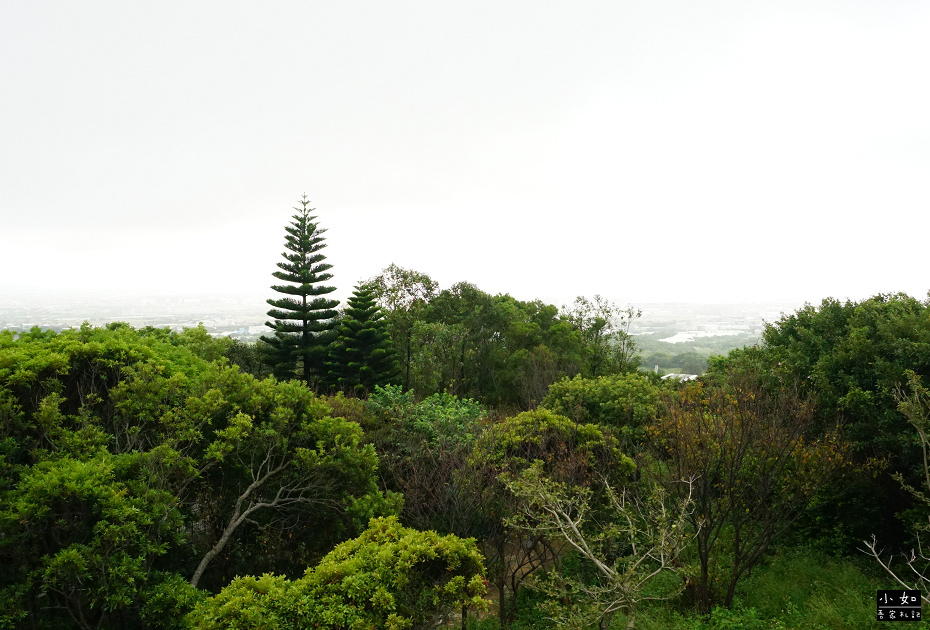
(461, 340)
(497, 349)
(400, 328)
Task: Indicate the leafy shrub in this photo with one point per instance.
(625, 402)
(440, 421)
(423, 447)
(389, 577)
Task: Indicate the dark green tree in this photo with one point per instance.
(362, 355)
(566, 452)
(303, 319)
(131, 467)
(853, 357)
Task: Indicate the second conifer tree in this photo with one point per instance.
(362, 355)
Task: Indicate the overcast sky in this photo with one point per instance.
(648, 151)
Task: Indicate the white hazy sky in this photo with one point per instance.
(645, 150)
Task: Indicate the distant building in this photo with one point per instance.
(680, 377)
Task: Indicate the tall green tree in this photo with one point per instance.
(404, 294)
(464, 341)
(852, 357)
(362, 355)
(566, 452)
(303, 319)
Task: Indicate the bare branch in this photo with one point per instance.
(654, 535)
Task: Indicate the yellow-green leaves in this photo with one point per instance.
(389, 577)
(121, 446)
(229, 438)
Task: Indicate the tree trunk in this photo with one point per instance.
(703, 590)
(217, 548)
(502, 605)
(409, 359)
(237, 518)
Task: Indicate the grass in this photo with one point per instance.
(796, 588)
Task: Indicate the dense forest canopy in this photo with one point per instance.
(429, 457)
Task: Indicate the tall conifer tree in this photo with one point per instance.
(362, 355)
(303, 320)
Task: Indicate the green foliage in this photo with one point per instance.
(404, 295)
(630, 549)
(625, 402)
(352, 409)
(463, 341)
(688, 357)
(808, 589)
(248, 357)
(569, 452)
(795, 588)
(527, 614)
(445, 420)
(362, 356)
(389, 577)
(199, 341)
(133, 463)
(440, 421)
(287, 454)
(580, 456)
(167, 600)
(127, 462)
(509, 351)
(304, 319)
(423, 447)
(852, 356)
(690, 362)
(914, 404)
(754, 468)
(247, 603)
(438, 362)
(680, 363)
(390, 403)
(87, 532)
(605, 330)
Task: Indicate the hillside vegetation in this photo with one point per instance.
(430, 458)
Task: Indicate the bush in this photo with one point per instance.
(625, 402)
(389, 577)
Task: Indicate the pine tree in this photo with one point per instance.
(303, 321)
(363, 355)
